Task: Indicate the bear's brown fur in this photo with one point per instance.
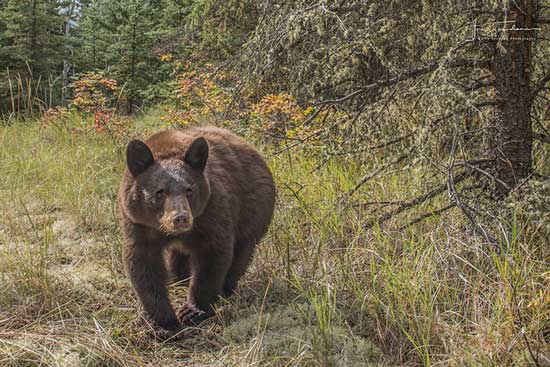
(194, 203)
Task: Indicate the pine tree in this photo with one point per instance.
(432, 79)
(31, 44)
(33, 35)
(92, 35)
(173, 35)
(118, 37)
(133, 48)
(71, 13)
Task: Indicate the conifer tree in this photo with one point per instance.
(32, 34)
(31, 44)
(469, 80)
(118, 38)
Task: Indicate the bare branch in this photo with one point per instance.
(370, 176)
(484, 172)
(534, 356)
(428, 215)
(541, 137)
(303, 140)
(417, 200)
(455, 197)
(407, 75)
(540, 86)
(433, 124)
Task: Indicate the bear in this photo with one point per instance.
(193, 203)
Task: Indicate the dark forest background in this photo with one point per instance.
(464, 67)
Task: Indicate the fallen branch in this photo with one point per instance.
(428, 215)
(455, 197)
(417, 200)
(370, 176)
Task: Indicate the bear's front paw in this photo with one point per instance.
(164, 330)
(191, 315)
(163, 333)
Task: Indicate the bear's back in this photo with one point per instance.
(173, 143)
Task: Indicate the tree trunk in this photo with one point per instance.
(66, 64)
(132, 68)
(509, 134)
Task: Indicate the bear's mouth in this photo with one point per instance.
(170, 228)
(183, 229)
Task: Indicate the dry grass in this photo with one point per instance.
(321, 291)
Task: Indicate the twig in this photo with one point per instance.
(303, 140)
(428, 215)
(370, 176)
(454, 197)
(520, 319)
(417, 200)
(487, 174)
(313, 116)
(541, 137)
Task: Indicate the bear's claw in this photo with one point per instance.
(164, 334)
(191, 315)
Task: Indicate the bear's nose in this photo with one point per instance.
(181, 219)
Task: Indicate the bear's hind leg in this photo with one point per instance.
(244, 251)
(178, 265)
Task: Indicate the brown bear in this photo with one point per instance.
(194, 203)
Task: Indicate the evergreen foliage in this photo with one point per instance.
(32, 47)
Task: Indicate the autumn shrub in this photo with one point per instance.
(97, 98)
(203, 95)
(94, 91)
(54, 116)
(200, 96)
(279, 116)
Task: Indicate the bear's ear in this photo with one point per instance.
(138, 157)
(197, 154)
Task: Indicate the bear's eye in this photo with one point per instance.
(159, 194)
(189, 191)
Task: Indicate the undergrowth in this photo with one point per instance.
(325, 289)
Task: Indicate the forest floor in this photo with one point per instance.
(323, 290)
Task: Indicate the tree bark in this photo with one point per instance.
(66, 64)
(509, 133)
(133, 67)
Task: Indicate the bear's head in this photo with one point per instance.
(167, 194)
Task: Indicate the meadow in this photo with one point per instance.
(326, 288)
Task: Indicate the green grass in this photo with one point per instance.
(322, 290)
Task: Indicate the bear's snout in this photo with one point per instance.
(175, 222)
(177, 216)
(181, 220)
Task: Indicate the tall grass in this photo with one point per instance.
(324, 288)
(27, 96)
